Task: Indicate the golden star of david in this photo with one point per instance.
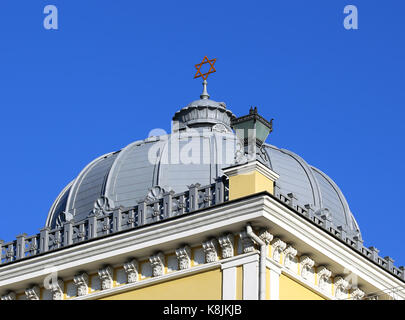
(211, 70)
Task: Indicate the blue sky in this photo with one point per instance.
(114, 70)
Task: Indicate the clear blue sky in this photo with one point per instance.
(114, 70)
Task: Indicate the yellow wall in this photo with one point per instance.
(205, 285)
(246, 184)
(268, 284)
(239, 283)
(292, 290)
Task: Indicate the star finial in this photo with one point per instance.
(211, 62)
(211, 70)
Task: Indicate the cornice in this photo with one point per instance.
(328, 245)
(251, 167)
(261, 209)
(150, 236)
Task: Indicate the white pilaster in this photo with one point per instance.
(275, 272)
(229, 283)
(250, 284)
(251, 280)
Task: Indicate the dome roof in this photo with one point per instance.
(207, 145)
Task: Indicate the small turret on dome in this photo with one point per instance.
(204, 113)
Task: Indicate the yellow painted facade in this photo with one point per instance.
(239, 283)
(208, 285)
(267, 284)
(249, 183)
(292, 290)
(201, 286)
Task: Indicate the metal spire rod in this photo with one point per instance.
(204, 94)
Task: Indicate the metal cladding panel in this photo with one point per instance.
(293, 177)
(226, 146)
(189, 164)
(215, 151)
(90, 187)
(132, 175)
(331, 200)
(59, 208)
(178, 177)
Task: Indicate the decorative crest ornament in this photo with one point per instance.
(357, 294)
(184, 257)
(106, 277)
(306, 266)
(32, 293)
(341, 287)
(157, 262)
(323, 277)
(131, 269)
(289, 254)
(240, 157)
(198, 74)
(56, 288)
(219, 127)
(265, 236)
(155, 193)
(81, 281)
(102, 206)
(210, 248)
(9, 296)
(226, 242)
(277, 247)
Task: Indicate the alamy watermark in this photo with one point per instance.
(351, 21)
(53, 284)
(51, 18)
(51, 279)
(201, 146)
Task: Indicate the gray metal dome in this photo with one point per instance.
(147, 167)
